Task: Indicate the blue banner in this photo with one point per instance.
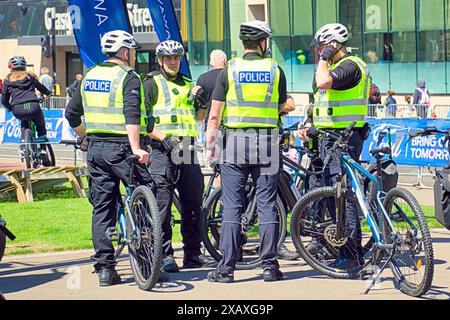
(91, 19)
(166, 26)
(418, 151)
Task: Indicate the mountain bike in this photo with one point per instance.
(4, 233)
(33, 149)
(139, 228)
(292, 176)
(394, 222)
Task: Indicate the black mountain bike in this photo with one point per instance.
(139, 228)
(4, 233)
(33, 150)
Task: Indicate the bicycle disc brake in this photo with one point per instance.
(330, 235)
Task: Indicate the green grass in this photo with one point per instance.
(55, 221)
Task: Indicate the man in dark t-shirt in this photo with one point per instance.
(207, 81)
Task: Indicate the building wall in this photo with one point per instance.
(10, 48)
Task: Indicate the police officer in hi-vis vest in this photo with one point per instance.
(111, 98)
(250, 93)
(342, 87)
(167, 95)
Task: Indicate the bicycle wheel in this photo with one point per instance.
(210, 222)
(145, 249)
(29, 150)
(412, 264)
(2, 244)
(313, 231)
(51, 154)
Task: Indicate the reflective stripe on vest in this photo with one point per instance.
(102, 96)
(339, 108)
(252, 97)
(173, 114)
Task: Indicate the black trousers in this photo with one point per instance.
(189, 181)
(30, 111)
(352, 249)
(234, 178)
(107, 167)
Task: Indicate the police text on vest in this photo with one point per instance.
(256, 77)
(97, 86)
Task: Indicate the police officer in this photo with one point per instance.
(342, 88)
(167, 94)
(250, 93)
(111, 98)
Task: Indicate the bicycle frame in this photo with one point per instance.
(350, 167)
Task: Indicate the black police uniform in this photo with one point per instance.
(107, 167)
(187, 178)
(235, 168)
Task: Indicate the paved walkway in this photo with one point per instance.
(67, 275)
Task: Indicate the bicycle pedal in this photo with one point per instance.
(112, 234)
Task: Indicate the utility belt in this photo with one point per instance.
(123, 141)
(186, 141)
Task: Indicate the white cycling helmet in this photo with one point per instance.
(169, 48)
(331, 32)
(254, 30)
(114, 40)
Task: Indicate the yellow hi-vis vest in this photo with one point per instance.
(102, 95)
(337, 109)
(174, 115)
(252, 97)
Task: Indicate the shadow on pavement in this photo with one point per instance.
(18, 283)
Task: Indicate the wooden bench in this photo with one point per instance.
(23, 183)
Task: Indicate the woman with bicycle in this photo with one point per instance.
(19, 97)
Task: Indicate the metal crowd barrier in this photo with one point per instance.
(381, 111)
(55, 103)
(442, 111)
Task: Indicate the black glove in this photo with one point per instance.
(170, 142)
(83, 143)
(328, 52)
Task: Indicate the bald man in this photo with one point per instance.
(207, 81)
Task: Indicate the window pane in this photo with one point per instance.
(403, 15)
(215, 25)
(302, 16)
(326, 12)
(403, 68)
(431, 15)
(237, 16)
(376, 16)
(350, 16)
(302, 64)
(377, 57)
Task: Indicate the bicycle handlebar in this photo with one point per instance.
(428, 131)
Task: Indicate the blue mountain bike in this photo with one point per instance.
(139, 228)
(393, 222)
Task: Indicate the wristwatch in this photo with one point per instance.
(322, 58)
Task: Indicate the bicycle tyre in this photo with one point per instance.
(28, 148)
(2, 244)
(404, 285)
(211, 244)
(146, 276)
(298, 231)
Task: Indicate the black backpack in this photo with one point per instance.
(442, 197)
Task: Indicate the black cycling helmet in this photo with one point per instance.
(254, 30)
(17, 63)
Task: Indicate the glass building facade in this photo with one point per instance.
(401, 40)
